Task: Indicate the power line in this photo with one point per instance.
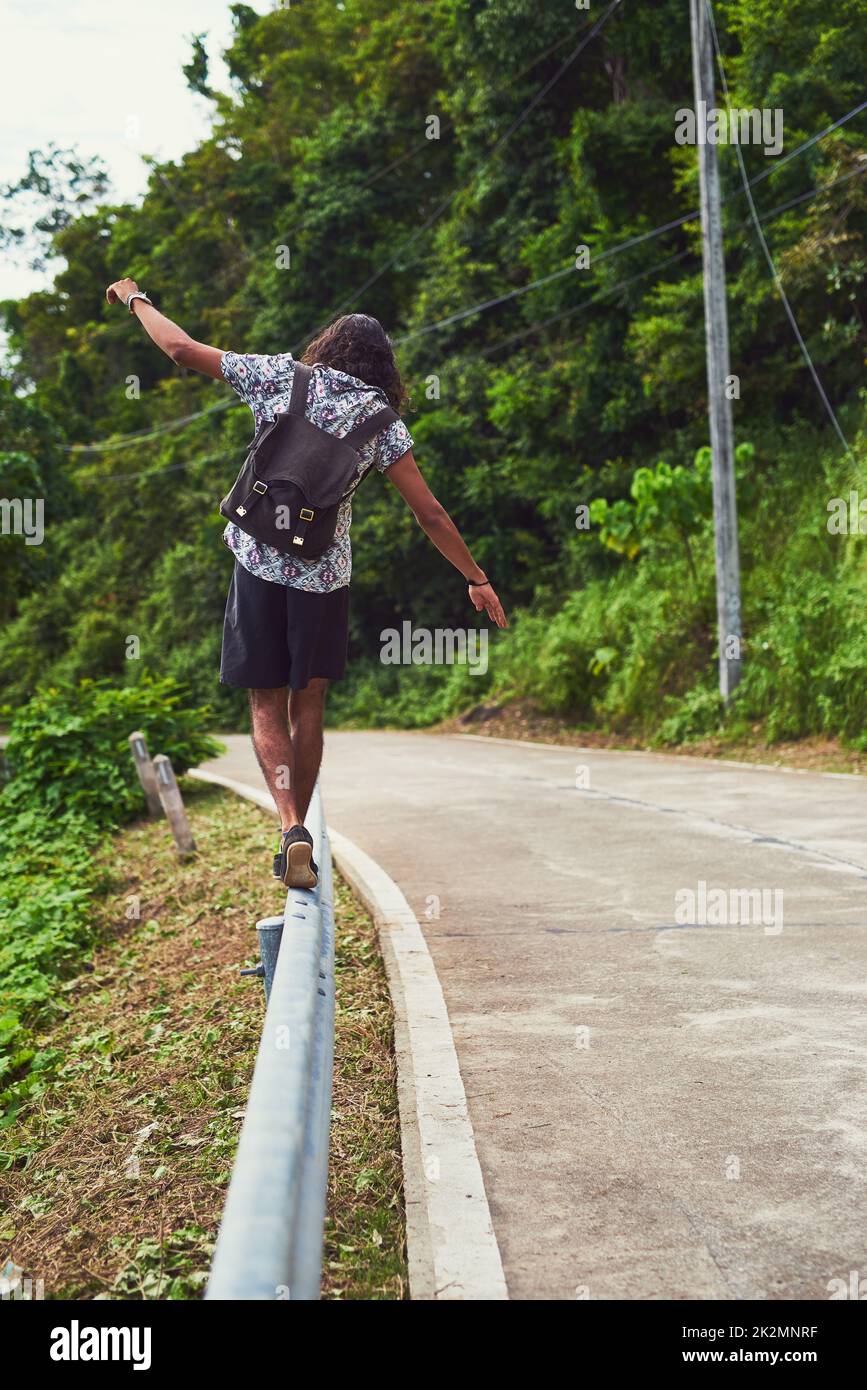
(814, 192)
(671, 260)
(108, 446)
(450, 125)
(143, 436)
(137, 436)
(188, 210)
(601, 294)
(636, 240)
(799, 149)
(524, 332)
(447, 201)
(575, 308)
(167, 426)
(767, 252)
(151, 472)
(230, 403)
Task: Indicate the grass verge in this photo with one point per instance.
(364, 1235)
(115, 1178)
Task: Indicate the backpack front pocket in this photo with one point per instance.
(278, 514)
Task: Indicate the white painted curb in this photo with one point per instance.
(660, 753)
(257, 794)
(451, 1245)
(452, 1250)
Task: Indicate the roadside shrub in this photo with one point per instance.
(71, 780)
(68, 749)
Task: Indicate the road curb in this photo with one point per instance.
(257, 794)
(660, 753)
(452, 1249)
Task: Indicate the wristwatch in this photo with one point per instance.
(138, 294)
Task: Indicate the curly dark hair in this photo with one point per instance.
(359, 345)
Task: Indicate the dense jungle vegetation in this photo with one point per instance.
(587, 390)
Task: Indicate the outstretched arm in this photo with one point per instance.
(436, 523)
(175, 343)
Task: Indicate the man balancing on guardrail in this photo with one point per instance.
(322, 423)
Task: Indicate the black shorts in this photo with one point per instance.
(274, 635)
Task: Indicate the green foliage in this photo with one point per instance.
(71, 780)
(66, 184)
(68, 749)
(666, 502)
(588, 389)
(805, 672)
(636, 650)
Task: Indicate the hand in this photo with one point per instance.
(120, 291)
(483, 596)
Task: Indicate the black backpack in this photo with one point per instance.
(295, 476)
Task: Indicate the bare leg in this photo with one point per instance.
(306, 710)
(269, 714)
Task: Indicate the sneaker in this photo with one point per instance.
(294, 864)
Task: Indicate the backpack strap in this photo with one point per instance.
(374, 425)
(378, 422)
(300, 385)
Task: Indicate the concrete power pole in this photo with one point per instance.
(725, 518)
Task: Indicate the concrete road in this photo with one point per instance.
(666, 1080)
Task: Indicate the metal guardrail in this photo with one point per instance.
(270, 1241)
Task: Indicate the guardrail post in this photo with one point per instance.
(146, 774)
(173, 805)
(270, 933)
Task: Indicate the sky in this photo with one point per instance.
(104, 75)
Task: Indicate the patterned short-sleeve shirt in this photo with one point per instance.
(335, 402)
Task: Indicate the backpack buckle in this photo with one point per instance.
(260, 486)
(306, 514)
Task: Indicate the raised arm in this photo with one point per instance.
(438, 526)
(173, 341)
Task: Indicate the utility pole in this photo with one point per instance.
(725, 517)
